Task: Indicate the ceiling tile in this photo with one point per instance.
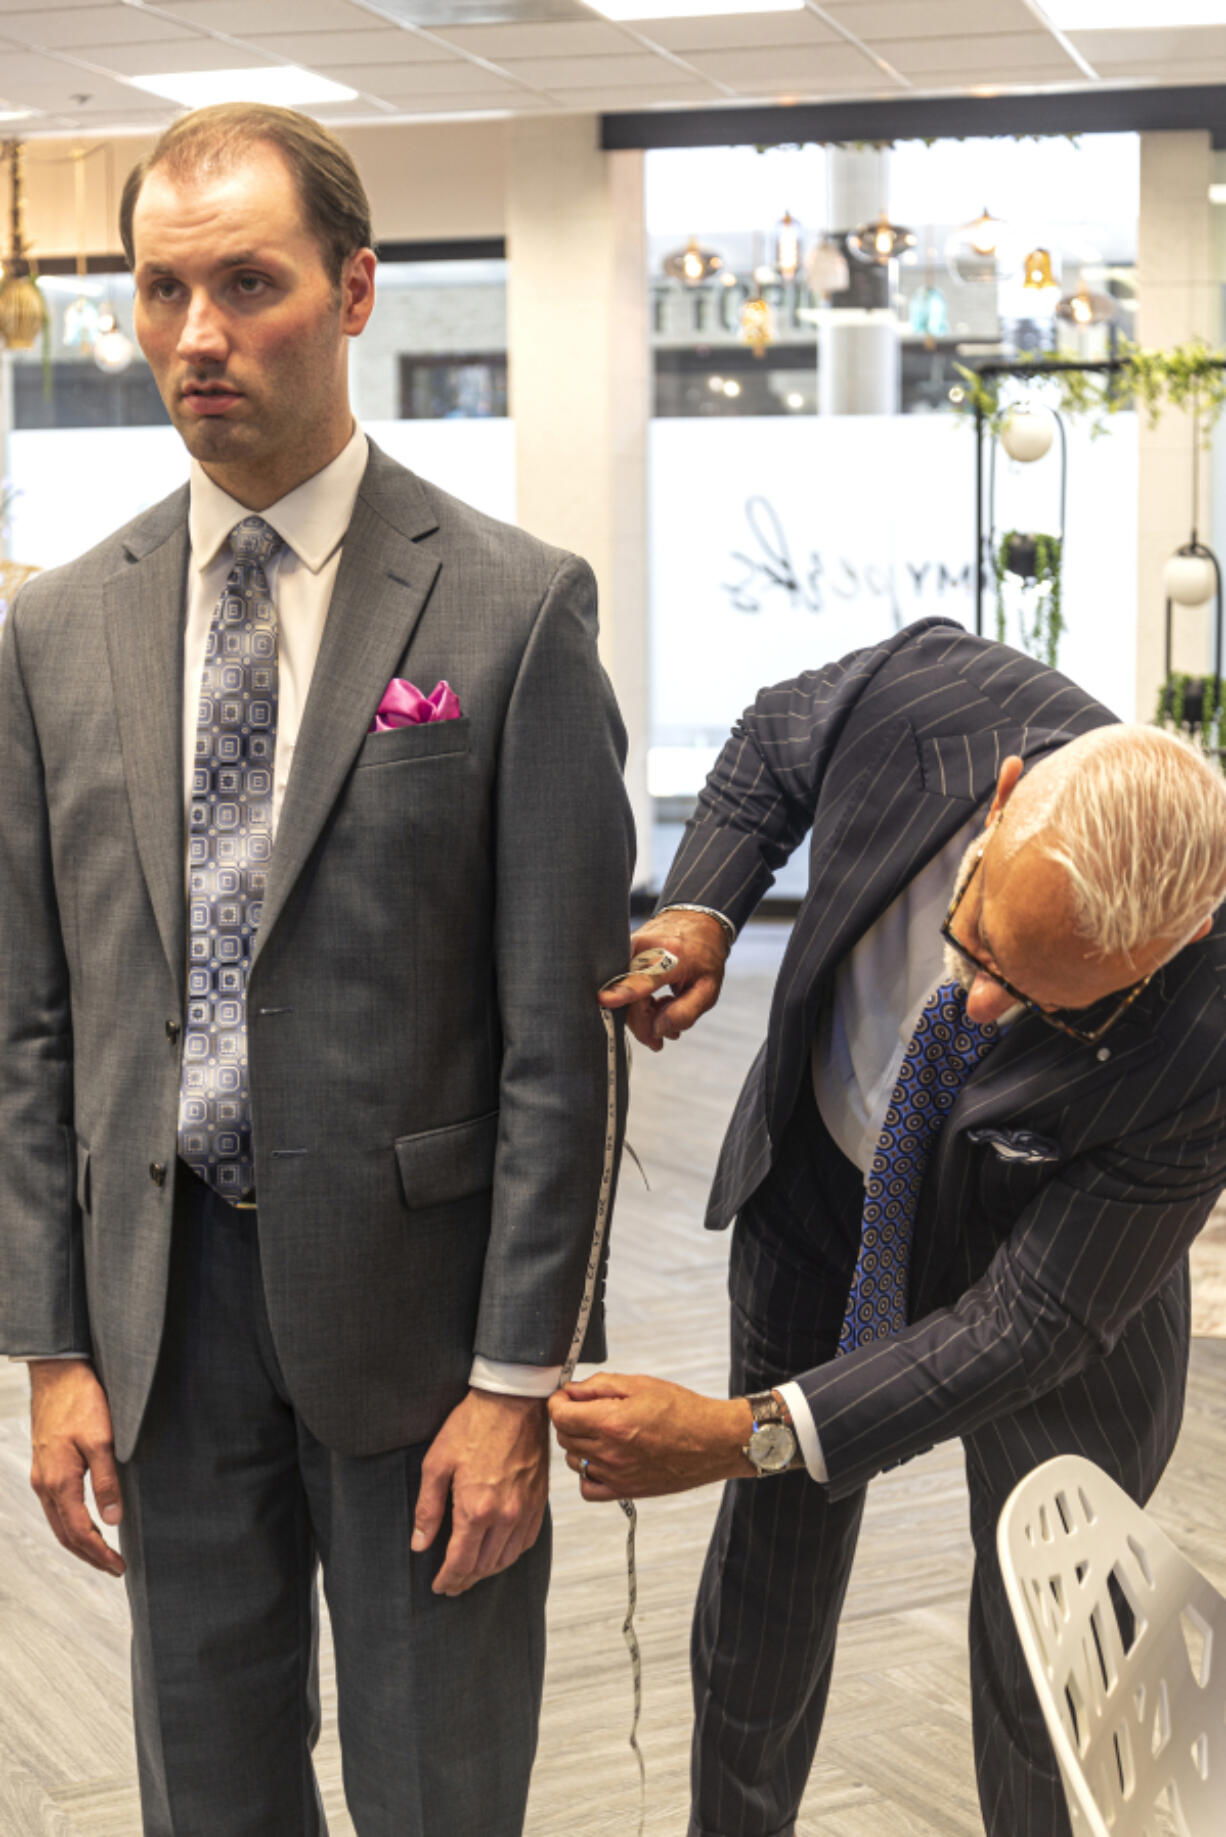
(23, 6)
(554, 73)
(915, 57)
(64, 28)
(792, 68)
(602, 101)
(249, 18)
(193, 53)
(990, 77)
(871, 19)
(562, 39)
(735, 31)
(484, 12)
(1142, 50)
(318, 50)
(395, 81)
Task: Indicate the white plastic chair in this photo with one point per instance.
(1126, 1643)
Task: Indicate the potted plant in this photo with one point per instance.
(1034, 559)
(1195, 707)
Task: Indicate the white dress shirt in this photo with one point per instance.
(879, 993)
(311, 521)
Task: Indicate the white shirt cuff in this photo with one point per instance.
(28, 1358)
(806, 1429)
(514, 1380)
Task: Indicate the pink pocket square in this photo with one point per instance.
(405, 706)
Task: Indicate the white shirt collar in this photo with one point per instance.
(311, 519)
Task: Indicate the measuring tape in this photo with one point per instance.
(603, 1204)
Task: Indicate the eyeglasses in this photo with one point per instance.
(1088, 1036)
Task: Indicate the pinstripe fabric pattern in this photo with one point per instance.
(1048, 1301)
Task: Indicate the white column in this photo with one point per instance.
(858, 363)
(580, 386)
(1177, 302)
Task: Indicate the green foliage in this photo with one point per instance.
(1189, 377)
(1040, 634)
(1194, 706)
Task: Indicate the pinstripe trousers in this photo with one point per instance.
(776, 1572)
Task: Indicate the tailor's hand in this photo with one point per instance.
(492, 1456)
(70, 1427)
(644, 1436)
(700, 945)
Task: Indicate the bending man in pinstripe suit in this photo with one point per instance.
(1043, 1293)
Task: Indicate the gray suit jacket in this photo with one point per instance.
(428, 1065)
(1024, 1272)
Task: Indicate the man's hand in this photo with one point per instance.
(700, 945)
(70, 1426)
(492, 1456)
(644, 1436)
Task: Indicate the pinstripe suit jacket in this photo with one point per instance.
(1023, 1275)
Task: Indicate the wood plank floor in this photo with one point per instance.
(895, 1759)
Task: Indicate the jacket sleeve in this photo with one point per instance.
(42, 1283)
(564, 856)
(1082, 1260)
(761, 796)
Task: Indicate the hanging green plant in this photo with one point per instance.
(1193, 706)
(1036, 560)
(1189, 376)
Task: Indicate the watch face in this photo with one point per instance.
(771, 1447)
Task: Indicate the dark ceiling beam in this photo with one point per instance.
(1082, 111)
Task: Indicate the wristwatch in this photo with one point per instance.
(772, 1445)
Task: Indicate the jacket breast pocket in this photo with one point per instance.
(441, 1165)
(424, 740)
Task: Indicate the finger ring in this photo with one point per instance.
(583, 1467)
(654, 962)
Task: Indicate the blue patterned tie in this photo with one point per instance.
(229, 846)
(941, 1055)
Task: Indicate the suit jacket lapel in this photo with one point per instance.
(144, 616)
(381, 590)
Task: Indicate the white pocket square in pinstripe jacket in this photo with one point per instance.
(1018, 1144)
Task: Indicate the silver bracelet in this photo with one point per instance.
(707, 911)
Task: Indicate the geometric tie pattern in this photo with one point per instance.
(228, 850)
(941, 1055)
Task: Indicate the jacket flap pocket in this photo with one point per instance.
(445, 1164)
(83, 1195)
(421, 740)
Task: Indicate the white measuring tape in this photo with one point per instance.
(603, 1205)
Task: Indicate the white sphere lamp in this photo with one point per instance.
(1189, 580)
(1028, 433)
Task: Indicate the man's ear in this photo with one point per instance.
(1010, 772)
(1202, 930)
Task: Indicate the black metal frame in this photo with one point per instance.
(1035, 373)
(1076, 111)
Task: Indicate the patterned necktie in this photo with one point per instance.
(941, 1055)
(229, 846)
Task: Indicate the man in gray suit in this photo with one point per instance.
(988, 1119)
(308, 1119)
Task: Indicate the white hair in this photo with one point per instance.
(1137, 818)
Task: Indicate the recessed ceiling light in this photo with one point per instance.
(14, 114)
(1132, 15)
(286, 85)
(689, 9)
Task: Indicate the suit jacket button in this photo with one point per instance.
(157, 1172)
(172, 1031)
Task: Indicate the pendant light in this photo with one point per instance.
(23, 311)
(826, 268)
(692, 265)
(880, 243)
(81, 316)
(974, 251)
(787, 246)
(1084, 309)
